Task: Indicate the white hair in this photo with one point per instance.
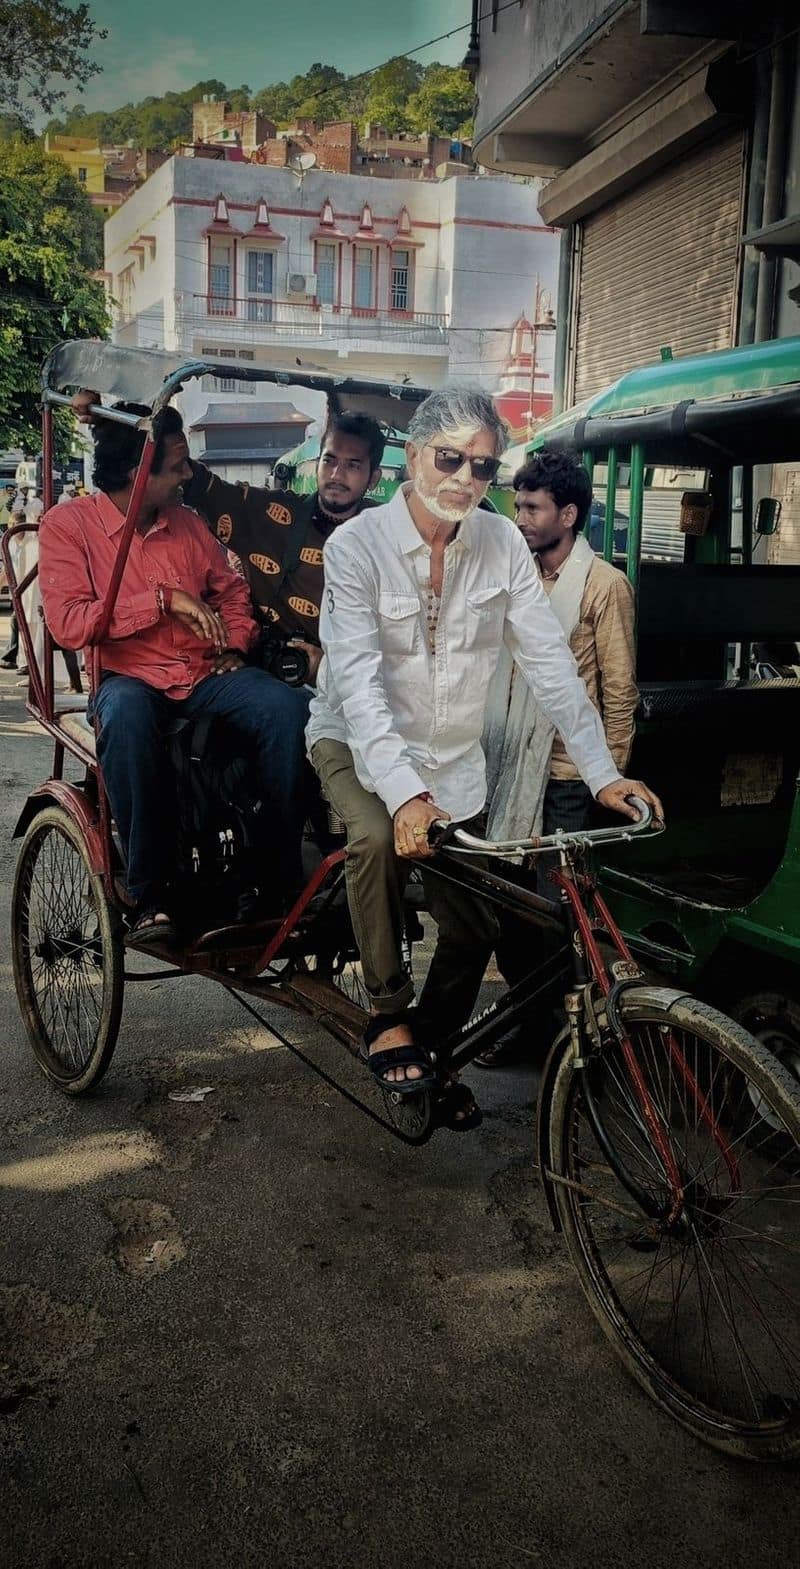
(457, 408)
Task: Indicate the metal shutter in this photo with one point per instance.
(660, 266)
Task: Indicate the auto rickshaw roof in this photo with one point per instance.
(152, 377)
(728, 407)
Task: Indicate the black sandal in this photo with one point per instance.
(455, 1098)
(412, 1056)
(146, 928)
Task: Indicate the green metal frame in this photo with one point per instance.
(700, 943)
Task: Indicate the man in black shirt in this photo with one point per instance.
(260, 525)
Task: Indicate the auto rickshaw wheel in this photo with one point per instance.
(774, 1019)
(67, 954)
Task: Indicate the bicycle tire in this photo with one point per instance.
(673, 1357)
(67, 954)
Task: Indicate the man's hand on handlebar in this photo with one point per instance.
(412, 823)
(614, 798)
(82, 402)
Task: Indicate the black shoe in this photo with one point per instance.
(518, 1045)
(8, 664)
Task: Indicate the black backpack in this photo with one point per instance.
(218, 805)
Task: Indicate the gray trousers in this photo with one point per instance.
(376, 878)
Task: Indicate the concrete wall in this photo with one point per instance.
(526, 42)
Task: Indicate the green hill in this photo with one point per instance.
(401, 95)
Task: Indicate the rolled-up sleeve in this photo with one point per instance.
(536, 641)
(350, 637)
(72, 609)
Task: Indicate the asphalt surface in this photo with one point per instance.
(258, 1330)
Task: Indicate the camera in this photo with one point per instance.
(281, 658)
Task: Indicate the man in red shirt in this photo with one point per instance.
(181, 627)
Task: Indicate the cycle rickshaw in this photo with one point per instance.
(668, 1138)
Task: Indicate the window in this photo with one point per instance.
(82, 176)
(227, 384)
(401, 267)
(220, 277)
(326, 273)
(363, 278)
(260, 273)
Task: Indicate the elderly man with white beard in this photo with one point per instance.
(420, 596)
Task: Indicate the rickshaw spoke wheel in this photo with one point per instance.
(67, 954)
(703, 1307)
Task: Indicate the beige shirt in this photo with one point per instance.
(604, 647)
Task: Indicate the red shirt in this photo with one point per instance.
(78, 542)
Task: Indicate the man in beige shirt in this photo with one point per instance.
(594, 602)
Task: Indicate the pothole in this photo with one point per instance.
(147, 1241)
(39, 1338)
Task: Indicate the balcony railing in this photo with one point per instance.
(267, 320)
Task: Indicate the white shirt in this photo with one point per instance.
(413, 717)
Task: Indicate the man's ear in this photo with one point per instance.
(412, 458)
(569, 515)
(375, 478)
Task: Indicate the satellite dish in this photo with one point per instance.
(301, 164)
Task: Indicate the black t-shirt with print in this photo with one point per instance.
(254, 524)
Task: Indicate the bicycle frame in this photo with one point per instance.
(586, 913)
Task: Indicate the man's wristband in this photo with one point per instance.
(164, 599)
(424, 795)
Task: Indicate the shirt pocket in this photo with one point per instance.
(399, 622)
(485, 615)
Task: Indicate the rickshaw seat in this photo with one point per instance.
(75, 724)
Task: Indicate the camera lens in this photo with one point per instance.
(293, 665)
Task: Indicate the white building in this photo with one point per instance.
(415, 280)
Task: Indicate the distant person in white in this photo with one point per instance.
(420, 596)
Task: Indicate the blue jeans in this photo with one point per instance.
(134, 719)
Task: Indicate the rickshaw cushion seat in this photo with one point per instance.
(78, 728)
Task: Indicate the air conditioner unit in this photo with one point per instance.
(304, 283)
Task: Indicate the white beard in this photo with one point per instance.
(437, 508)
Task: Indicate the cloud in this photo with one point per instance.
(163, 63)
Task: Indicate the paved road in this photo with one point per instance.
(345, 1354)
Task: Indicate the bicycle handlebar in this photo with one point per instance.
(450, 836)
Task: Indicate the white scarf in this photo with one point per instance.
(518, 736)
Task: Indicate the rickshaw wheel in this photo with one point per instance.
(67, 954)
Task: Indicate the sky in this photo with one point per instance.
(155, 46)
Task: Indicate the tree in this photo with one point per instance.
(443, 102)
(389, 90)
(50, 242)
(44, 42)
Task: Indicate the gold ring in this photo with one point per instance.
(420, 833)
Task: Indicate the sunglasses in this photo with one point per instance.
(448, 460)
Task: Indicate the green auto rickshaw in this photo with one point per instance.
(697, 461)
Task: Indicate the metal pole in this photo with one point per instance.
(137, 494)
(562, 318)
(46, 673)
(587, 459)
(636, 510)
(747, 516)
(779, 109)
(611, 506)
(755, 197)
